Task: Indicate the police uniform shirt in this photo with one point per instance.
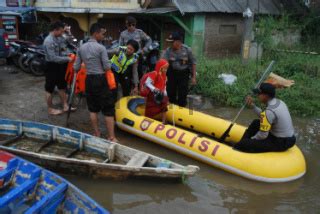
(53, 50)
(181, 59)
(94, 56)
(137, 35)
(276, 119)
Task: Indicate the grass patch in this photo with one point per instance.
(303, 98)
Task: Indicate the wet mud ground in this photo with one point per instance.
(210, 191)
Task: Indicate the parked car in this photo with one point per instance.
(4, 44)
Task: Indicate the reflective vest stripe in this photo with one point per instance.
(120, 62)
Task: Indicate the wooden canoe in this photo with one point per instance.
(30, 189)
(68, 151)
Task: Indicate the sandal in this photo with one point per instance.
(72, 109)
(113, 139)
(55, 111)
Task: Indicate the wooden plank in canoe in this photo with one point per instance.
(111, 153)
(138, 160)
(49, 143)
(72, 152)
(11, 140)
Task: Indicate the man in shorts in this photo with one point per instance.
(56, 64)
(99, 96)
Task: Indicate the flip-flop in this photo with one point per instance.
(55, 112)
(113, 139)
(72, 109)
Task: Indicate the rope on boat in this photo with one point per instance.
(184, 176)
(173, 122)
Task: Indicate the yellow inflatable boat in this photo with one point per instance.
(267, 167)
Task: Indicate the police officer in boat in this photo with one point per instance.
(182, 63)
(274, 131)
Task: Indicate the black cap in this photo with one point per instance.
(175, 36)
(265, 88)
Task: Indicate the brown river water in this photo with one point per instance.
(210, 191)
(213, 190)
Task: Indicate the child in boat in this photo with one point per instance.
(157, 98)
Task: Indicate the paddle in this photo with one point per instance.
(264, 75)
(70, 98)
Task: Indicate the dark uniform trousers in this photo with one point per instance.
(99, 96)
(270, 144)
(125, 80)
(178, 86)
(55, 76)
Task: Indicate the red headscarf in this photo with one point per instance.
(159, 78)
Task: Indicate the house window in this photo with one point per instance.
(228, 29)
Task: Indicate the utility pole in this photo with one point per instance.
(247, 35)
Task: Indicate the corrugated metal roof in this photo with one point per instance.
(160, 10)
(87, 10)
(227, 6)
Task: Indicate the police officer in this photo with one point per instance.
(56, 64)
(274, 131)
(182, 63)
(124, 64)
(99, 96)
(138, 35)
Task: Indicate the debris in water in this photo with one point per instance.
(228, 79)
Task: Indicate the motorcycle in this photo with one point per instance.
(36, 58)
(72, 47)
(17, 49)
(150, 58)
(36, 61)
(14, 53)
(26, 56)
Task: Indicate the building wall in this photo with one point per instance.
(115, 23)
(223, 34)
(315, 4)
(118, 4)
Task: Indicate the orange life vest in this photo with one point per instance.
(81, 77)
(111, 80)
(81, 80)
(70, 71)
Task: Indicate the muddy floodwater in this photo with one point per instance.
(210, 191)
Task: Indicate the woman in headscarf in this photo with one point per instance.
(157, 99)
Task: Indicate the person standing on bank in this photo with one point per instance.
(124, 65)
(132, 33)
(99, 96)
(182, 63)
(56, 64)
(274, 131)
